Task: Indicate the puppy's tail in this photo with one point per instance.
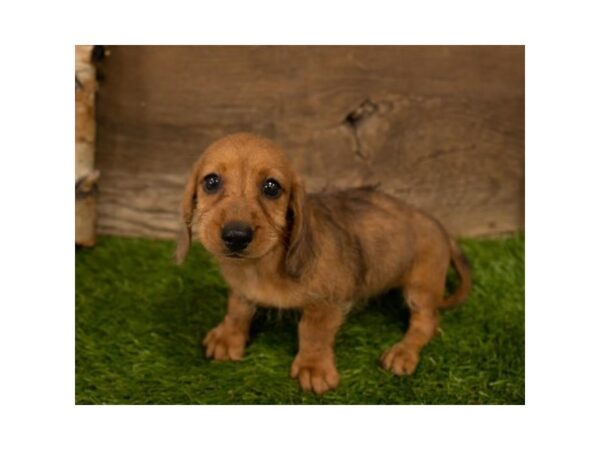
(461, 265)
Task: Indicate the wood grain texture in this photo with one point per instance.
(442, 127)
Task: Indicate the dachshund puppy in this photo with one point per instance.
(320, 253)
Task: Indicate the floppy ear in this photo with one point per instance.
(188, 206)
(300, 242)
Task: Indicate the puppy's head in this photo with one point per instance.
(245, 201)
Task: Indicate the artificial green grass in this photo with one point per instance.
(140, 319)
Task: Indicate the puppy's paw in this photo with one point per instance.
(317, 374)
(400, 360)
(225, 343)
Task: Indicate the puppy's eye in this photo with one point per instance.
(212, 183)
(271, 188)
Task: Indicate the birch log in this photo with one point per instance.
(86, 177)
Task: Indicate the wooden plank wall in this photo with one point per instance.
(442, 126)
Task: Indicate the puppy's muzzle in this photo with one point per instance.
(236, 236)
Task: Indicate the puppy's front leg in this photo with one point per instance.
(227, 340)
(314, 366)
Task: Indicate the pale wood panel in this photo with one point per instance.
(86, 177)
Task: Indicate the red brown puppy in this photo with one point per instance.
(320, 253)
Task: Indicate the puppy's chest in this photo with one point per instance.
(264, 290)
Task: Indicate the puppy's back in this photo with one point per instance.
(375, 235)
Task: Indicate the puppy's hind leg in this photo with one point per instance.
(423, 292)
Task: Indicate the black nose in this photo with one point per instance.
(236, 236)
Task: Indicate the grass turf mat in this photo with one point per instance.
(139, 321)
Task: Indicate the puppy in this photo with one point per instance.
(320, 253)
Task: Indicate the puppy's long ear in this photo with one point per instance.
(188, 206)
(300, 238)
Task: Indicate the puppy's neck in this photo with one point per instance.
(262, 280)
